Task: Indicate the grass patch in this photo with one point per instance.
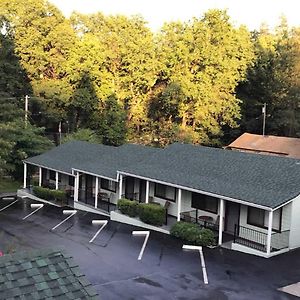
(9, 185)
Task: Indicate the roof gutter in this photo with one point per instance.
(199, 191)
(287, 202)
(93, 174)
(38, 165)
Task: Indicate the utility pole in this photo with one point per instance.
(264, 112)
(26, 110)
(59, 130)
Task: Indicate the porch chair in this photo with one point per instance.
(166, 207)
(187, 217)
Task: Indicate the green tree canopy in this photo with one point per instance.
(207, 58)
(17, 140)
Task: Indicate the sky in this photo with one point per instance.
(156, 12)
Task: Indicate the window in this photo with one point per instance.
(52, 175)
(71, 180)
(256, 217)
(204, 202)
(260, 218)
(108, 185)
(165, 192)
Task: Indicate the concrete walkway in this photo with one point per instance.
(22, 193)
(3, 195)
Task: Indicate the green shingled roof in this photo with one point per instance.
(260, 179)
(118, 158)
(67, 156)
(46, 274)
(98, 159)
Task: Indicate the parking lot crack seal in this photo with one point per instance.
(135, 278)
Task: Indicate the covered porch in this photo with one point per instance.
(95, 191)
(37, 175)
(244, 227)
(81, 188)
(237, 225)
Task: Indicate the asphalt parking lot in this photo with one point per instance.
(165, 271)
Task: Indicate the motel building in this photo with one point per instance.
(251, 201)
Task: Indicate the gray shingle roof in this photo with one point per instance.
(264, 180)
(42, 274)
(98, 159)
(67, 156)
(118, 158)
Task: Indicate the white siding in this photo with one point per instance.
(295, 223)
(286, 217)
(277, 238)
(114, 197)
(64, 180)
(243, 219)
(186, 202)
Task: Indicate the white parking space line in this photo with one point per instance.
(8, 198)
(37, 206)
(292, 289)
(146, 233)
(71, 213)
(96, 222)
(199, 248)
(7, 206)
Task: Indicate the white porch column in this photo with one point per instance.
(56, 180)
(147, 192)
(221, 221)
(178, 205)
(76, 187)
(269, 237)
(96, 191)
(40, 176)
(120, 186)
(25, 176)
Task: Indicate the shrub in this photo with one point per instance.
(128, 207)
(41, 192)
(193, 234)
(152, 214)
(49, 194)
(206, 238)
(58, 195)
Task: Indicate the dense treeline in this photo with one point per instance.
(110, 79)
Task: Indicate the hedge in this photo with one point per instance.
(49, 194)
(149, 213)
(193, 234)
(153, 214)
(128, 207)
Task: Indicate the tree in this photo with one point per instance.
(273, 80)
(206, 58)
(42, 42)
(28, 142)
(13, 78)
(83, 134)
(112, 127)
(119, 52)
(17, 141)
